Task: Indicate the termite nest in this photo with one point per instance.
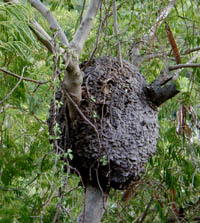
(116, 133)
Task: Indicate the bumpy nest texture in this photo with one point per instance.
(112, 153)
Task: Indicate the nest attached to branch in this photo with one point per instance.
(123, 135)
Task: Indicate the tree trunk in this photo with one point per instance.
(95, 205)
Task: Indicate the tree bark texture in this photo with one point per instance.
(95, 205)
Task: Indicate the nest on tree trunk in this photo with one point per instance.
(112, 151)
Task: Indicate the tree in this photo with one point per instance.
(67, 103)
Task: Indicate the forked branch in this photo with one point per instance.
(163, 15)
(23, 78)
(136, 59)
(82, 33)
(37, 29)
(51, 19)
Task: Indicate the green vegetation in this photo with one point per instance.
(33, 183)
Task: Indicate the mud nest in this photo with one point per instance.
(113, 150)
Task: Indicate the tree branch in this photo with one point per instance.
(159, 91)
(159, 94)
(41, 39)
(23, 78)
(163, 15)
(189, 62)
(85, 27)
(41, 31)
(95, 205)
(144, 215)
(145, 58)
(83, 7)
(51, 19)
(191, 50)
(150, 36)
(8, 95)
(179, 66)
(119, 55)
(37, 29)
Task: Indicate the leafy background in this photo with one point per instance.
(32, 176)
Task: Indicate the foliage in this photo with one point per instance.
(32, 176)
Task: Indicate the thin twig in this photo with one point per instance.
(146, 210)
(45, 204)
(148, 57)
(163, 14)
(179, 66)
(79, 111)
(191, 50)
(23, 78)
(119, 55)
(41, 39)
(8, 95)
(189, 62)
(83, 7)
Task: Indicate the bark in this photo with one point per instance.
(47, 14)
(72, 82)
(82, 33)
(95, 205)
(159, 94)
(162, 89)
(73, 75)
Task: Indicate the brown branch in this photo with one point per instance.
(8, 95)
(97, 36)
(189, 62)
(144, 215)
(44, 41)
(191, 50)
(23, 78)
(179, 66)
(102, 23)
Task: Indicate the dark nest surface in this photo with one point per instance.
(117, 132)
